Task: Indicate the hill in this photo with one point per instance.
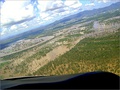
(60, 24)
(75, 46)
(90, 54)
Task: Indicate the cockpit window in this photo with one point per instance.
(58, 37)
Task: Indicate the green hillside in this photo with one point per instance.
(90, 54)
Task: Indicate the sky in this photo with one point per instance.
(17, 16)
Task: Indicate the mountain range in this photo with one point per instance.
(59, 24)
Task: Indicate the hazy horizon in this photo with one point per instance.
(29, 14)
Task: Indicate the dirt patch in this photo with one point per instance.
(56, 52)
(36, 64)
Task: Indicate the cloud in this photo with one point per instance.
(20, 11)
(69, 3)
(23, 9)
(56, 4)
(14, 11)
(59, 10)
(48, 18)
(90, 4)
(3, 31)
(13, 27)
(73, 3)
(77, 5)
(56, 8)
(12, 22)
(105, 1)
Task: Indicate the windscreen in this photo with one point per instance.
(58, 37)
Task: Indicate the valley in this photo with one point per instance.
(79, 46)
